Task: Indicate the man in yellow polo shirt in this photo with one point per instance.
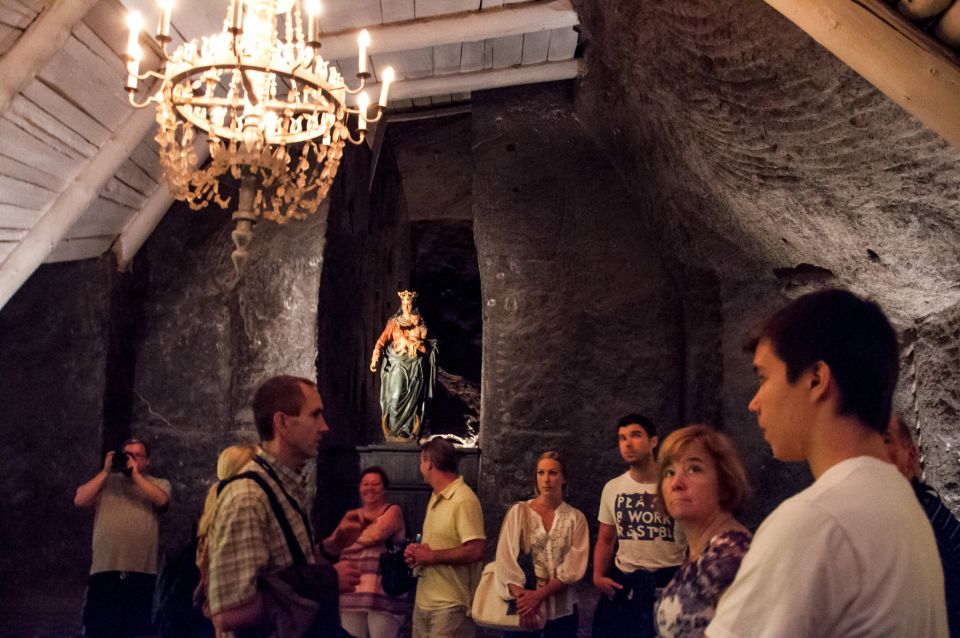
(452, 548)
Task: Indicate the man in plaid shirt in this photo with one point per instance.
(246, 540)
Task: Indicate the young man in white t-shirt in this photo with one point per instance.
(853, 554)
(647, 552)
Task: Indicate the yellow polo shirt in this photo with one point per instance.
(453, 518)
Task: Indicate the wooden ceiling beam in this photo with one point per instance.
(472, 26)
(908, 66)
(34, 48)
(70, 205)
(145, 221)
(481, 80)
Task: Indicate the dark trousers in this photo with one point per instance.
(565, 627)
(119, 605)
(630, 613)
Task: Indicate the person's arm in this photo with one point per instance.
(87, 493)
(382, 342)
(157, 496)
(237, 547)
(529, 600)
(509, 575)
(344, 535)
(574, 564)
(469, 552)
(246, 614)
(385, 526)
(602, 557)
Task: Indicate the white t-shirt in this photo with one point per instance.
(647, 538)
(851, 555)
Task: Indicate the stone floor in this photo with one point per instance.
(40, 616)
(58, 616)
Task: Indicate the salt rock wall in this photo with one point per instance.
(207, 340)
(582, 321)
(755, 153)
(53, 351)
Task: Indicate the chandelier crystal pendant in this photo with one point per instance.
(272, 110)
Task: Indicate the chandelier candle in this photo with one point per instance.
(163, 28)
(313, 23)
(364, 42)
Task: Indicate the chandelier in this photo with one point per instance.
(272, 110)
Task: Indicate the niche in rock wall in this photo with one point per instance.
(446, 276)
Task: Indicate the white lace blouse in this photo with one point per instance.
(561, 553)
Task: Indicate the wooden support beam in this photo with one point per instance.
(141, 225)
(472, 26)
(430, 114)
(481, 80)
(145, 221)
(908, 66)
(34, 48)
(72, 202)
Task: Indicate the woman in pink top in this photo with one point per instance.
(368, 611)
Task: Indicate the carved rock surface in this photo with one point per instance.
(754, 153)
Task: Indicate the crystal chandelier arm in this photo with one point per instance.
(151, 74)
(140, 105)
(151, 92)
(363, 83)
(356, 142)
(377, 118)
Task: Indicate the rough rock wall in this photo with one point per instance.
(53, 349)
(758, 155)
(435, 160)
(582, 321)
(206, 341)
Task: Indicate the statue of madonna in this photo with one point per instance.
(408, 372)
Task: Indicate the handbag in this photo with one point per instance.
(491, 611)
(396, 577)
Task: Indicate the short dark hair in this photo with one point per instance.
(849, 334)
(376, 469)
(136, 441)
(637, 419)
(282, 393)
(441, 453)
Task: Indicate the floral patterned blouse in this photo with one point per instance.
(560, 553)
(686, 605)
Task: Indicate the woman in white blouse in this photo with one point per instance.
(558, 540)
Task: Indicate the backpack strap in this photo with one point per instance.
(295, 550)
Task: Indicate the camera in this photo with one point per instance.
(120, 462)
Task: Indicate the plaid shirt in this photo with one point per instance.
(246, 540)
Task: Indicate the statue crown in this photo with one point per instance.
(407, 294)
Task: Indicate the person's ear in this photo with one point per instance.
(654, 441)
(279, 423)
(913, 460)
(817, 379)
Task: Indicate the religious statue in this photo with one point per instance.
(408, 372)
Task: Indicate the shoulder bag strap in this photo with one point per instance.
(524, 509)
(295, 550)
(259, 460)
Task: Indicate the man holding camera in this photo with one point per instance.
(125, 538)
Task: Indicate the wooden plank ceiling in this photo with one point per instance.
(79, 171)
